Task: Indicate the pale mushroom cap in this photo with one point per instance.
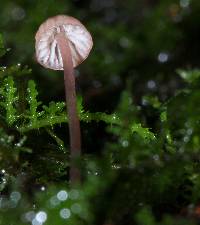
(48, 53)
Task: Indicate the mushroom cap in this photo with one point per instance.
(48, 53)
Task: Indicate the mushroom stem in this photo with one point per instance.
(73, 120)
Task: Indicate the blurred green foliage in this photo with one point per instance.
(139, 109)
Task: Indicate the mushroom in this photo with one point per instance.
(62, 43)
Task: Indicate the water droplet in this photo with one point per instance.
(15, 196)
(54, 201)
(151, 84)
(124, 42)
(125, 143)
(190, 131)
(41, 217)
(73, 194)
(184, 3)
(4, 180)
(181, 150)
(62, 195)
(163, 57)
(115, 166)
(186, 139)
(156, 157)
(65, 213)
(18, 13)
(144, 102)
(29, 216)
(76, 208)
(35, 222)
(42, 188)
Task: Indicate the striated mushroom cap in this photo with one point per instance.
(48, 53)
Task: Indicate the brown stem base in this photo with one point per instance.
(74, 124)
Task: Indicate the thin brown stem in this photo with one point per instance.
(74, 124)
